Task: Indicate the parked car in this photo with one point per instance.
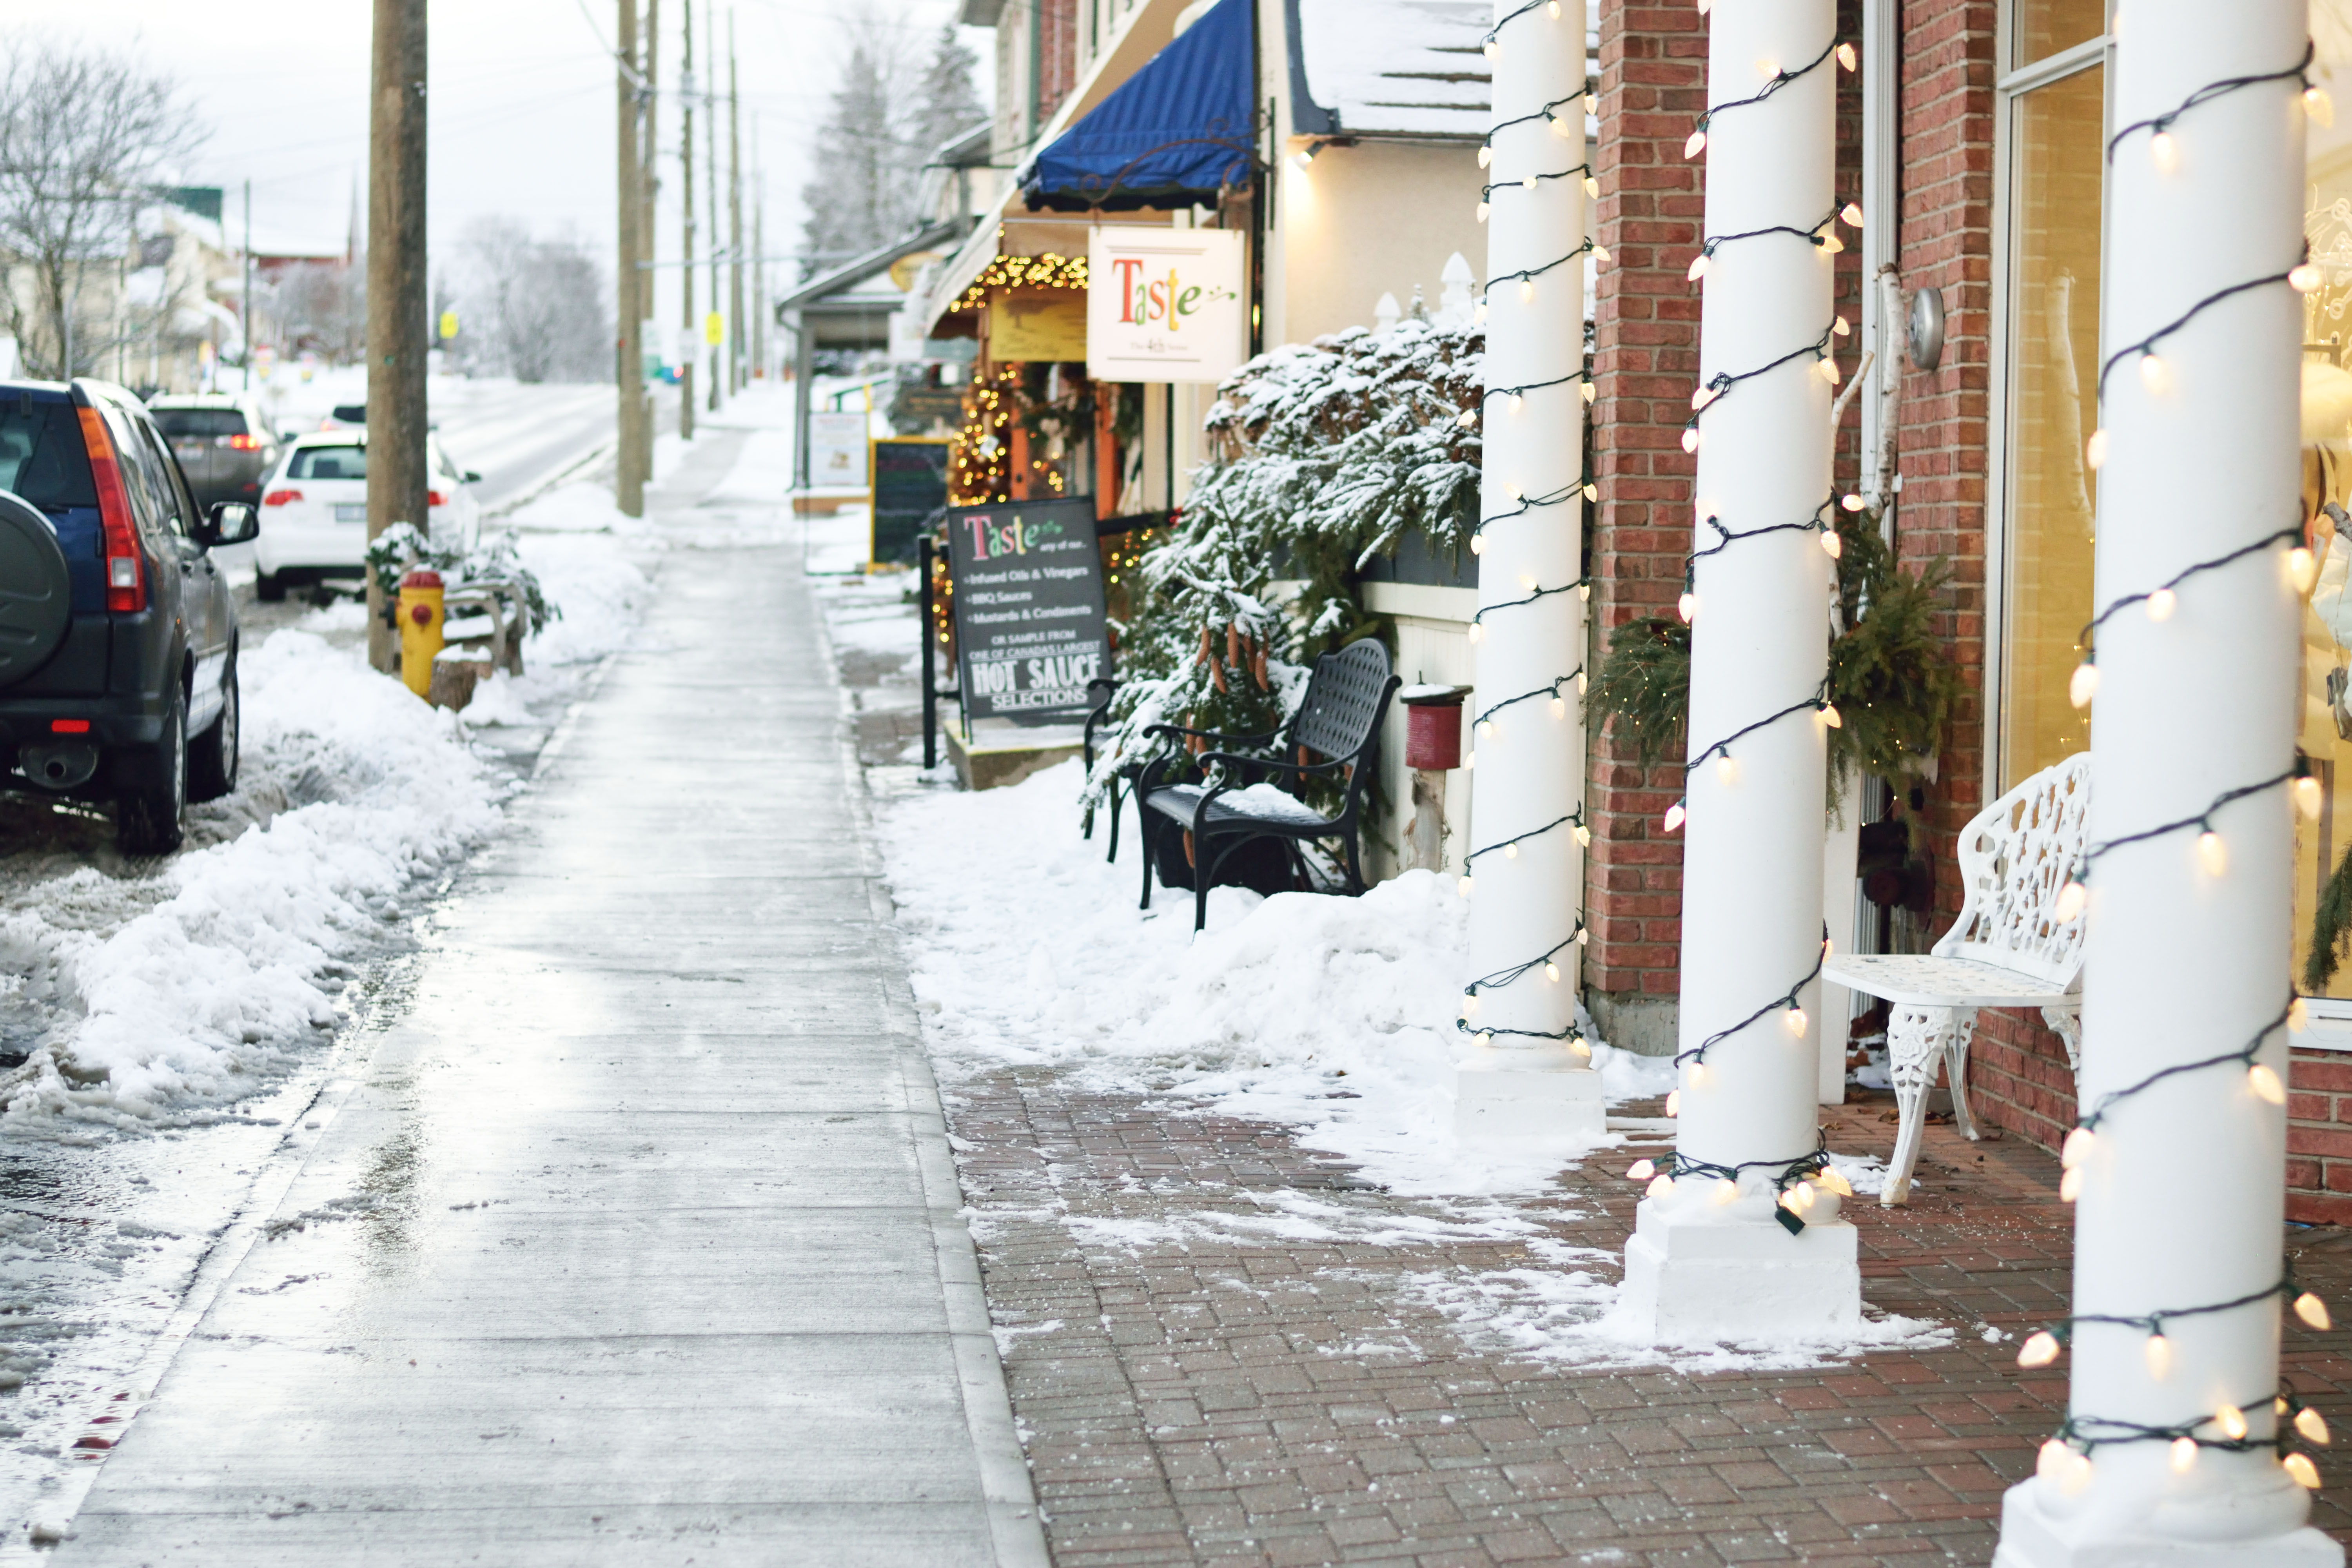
(314, 511)
(117, 635)
(224, 444)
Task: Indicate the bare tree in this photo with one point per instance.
(322, 307)
(84, 134)
(533, 308)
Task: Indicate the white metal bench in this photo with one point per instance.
(2008, 949)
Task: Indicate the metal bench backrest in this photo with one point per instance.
(2015, 857)
(1343, 699)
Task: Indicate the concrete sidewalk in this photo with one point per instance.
(637, 1243)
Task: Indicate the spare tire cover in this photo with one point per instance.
(35, 593)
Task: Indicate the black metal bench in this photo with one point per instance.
(1340, 721)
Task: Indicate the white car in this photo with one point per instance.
(314, 511)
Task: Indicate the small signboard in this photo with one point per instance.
(1036, 326)
(1164, 304)
(1030, 628)
(909, 477)
(836, 451)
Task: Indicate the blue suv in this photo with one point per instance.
(117, 635)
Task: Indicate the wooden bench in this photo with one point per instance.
(1235, 800)
(2008, 949)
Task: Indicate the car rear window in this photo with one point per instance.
(328, 463)
(179, 423)
(42, 457)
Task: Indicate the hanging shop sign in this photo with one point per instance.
(1030, 627)
(836, 451)
(1036, 326)
(909, 478)
(1165, 304)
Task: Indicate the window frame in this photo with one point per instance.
(2000, 499)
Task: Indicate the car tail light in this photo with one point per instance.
(126, 573)
(244, 444)
(279, 497)
(435, 498)
(69, 726)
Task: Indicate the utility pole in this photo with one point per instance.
(759, 254)
(398, 333)
(648, 233)
(629, 484)
(686, 211)
(246, 325)
(710, 48)
(734, 221)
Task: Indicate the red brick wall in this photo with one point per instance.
(1645, 362)
(2319, 1137)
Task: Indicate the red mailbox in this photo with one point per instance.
(1433, 726)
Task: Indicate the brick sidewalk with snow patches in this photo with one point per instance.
(1222, 1348)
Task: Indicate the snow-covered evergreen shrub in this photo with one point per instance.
(1322, 456)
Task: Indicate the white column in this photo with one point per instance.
(2180, 1181)
(1708, 1258)
(1524, 1072)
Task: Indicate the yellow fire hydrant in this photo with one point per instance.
(420, 628)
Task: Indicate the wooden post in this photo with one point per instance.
(1105, 449)
(1016, 461)
(759, 260)
(686, 213)
(648, 242)
(710, 48)
(398, 331)
(734, 221)
(629, 490)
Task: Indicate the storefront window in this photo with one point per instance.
(2040, 28)
(2322, 845)
(2056, 148)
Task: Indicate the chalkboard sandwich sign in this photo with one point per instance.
(1030, 627)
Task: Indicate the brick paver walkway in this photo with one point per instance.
(1191, 1393)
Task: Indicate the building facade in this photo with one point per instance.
(1975, 136)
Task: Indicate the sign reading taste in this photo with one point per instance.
(1028, 609)
(1165, 304)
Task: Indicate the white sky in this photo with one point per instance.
(522, 104)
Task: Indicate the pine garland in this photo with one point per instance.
(1890, 676)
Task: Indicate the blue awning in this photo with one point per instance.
(1170, 136)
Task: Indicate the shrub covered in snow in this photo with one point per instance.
(1322, 456)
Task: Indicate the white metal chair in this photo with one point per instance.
(2008, 949)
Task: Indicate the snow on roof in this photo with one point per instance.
(1400, 67)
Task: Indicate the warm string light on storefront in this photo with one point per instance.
(2066, 1458)
(1724, 381)
(1822, 236)
(1469, 417)
(1774, 80)
(1793, 1197)
(1047, 271)
(1558, 123)
(1528, 182)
